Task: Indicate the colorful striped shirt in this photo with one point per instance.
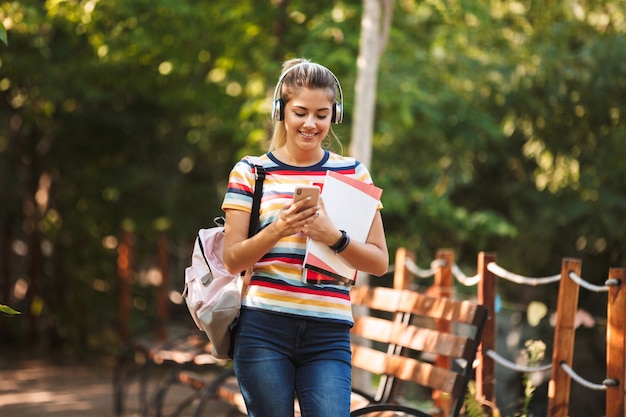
(276, 283)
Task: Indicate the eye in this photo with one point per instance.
(300, 114)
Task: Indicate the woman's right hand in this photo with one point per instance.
(293, 217)
(241, 252)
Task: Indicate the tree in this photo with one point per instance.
(120, 117)
(375, 26)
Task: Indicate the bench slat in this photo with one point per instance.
(423, 373)
(368, 359)
(432, 341)
(376, 298)
(439, 308)
(373, 328)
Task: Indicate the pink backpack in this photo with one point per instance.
(213, 295)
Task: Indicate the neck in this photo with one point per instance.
(299, 159)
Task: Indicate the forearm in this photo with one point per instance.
(370, 257)
(241, 255)
(241, 252)
(366, 257)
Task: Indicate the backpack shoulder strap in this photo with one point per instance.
(259, 174)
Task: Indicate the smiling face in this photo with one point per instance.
(307, 118)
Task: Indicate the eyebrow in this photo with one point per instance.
(305, 108)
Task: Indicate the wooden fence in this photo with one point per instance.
(444, 271)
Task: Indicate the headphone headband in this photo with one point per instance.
(278, 107)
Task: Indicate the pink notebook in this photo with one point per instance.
(351, 205)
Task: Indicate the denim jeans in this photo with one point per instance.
(278, 356)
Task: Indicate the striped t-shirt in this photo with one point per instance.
(276, 279)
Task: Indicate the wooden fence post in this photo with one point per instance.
(486, 370)
(443, 287)
(616, 343)
(402, 277)
(443, 276)
(564, 333)
(124, 267)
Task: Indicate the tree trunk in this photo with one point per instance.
(374, 32)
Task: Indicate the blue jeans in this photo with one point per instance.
(278, 356)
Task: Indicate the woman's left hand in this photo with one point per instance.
(370, 257)
(320, 227)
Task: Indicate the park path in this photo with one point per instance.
(36, 386)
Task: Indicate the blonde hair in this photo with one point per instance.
(309, 75)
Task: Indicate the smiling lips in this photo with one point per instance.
(308, 135)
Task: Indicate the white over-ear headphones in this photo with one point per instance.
(278, 107)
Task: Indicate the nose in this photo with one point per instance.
(310, 120)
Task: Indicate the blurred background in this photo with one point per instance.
(497, 126)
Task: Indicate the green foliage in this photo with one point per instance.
(504, 112)
(473, 407)
(8, 310)
(3, 34)
(499, 126)
(533, 352)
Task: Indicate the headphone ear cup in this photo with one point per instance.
(278, 110)
(337, 116)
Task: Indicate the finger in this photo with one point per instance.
(303, 204)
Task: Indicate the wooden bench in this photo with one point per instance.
(430, 342)
(405, 339)
(141, 357)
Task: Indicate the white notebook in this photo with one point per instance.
(351, 205)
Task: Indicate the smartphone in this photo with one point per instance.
(304, 191)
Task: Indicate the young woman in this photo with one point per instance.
(293, 338)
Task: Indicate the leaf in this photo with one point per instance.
(3, 34)
(8, 310)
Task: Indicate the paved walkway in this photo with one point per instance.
(36, 387)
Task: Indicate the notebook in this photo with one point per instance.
(351, 205)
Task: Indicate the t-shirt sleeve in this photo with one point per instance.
(240, 187)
